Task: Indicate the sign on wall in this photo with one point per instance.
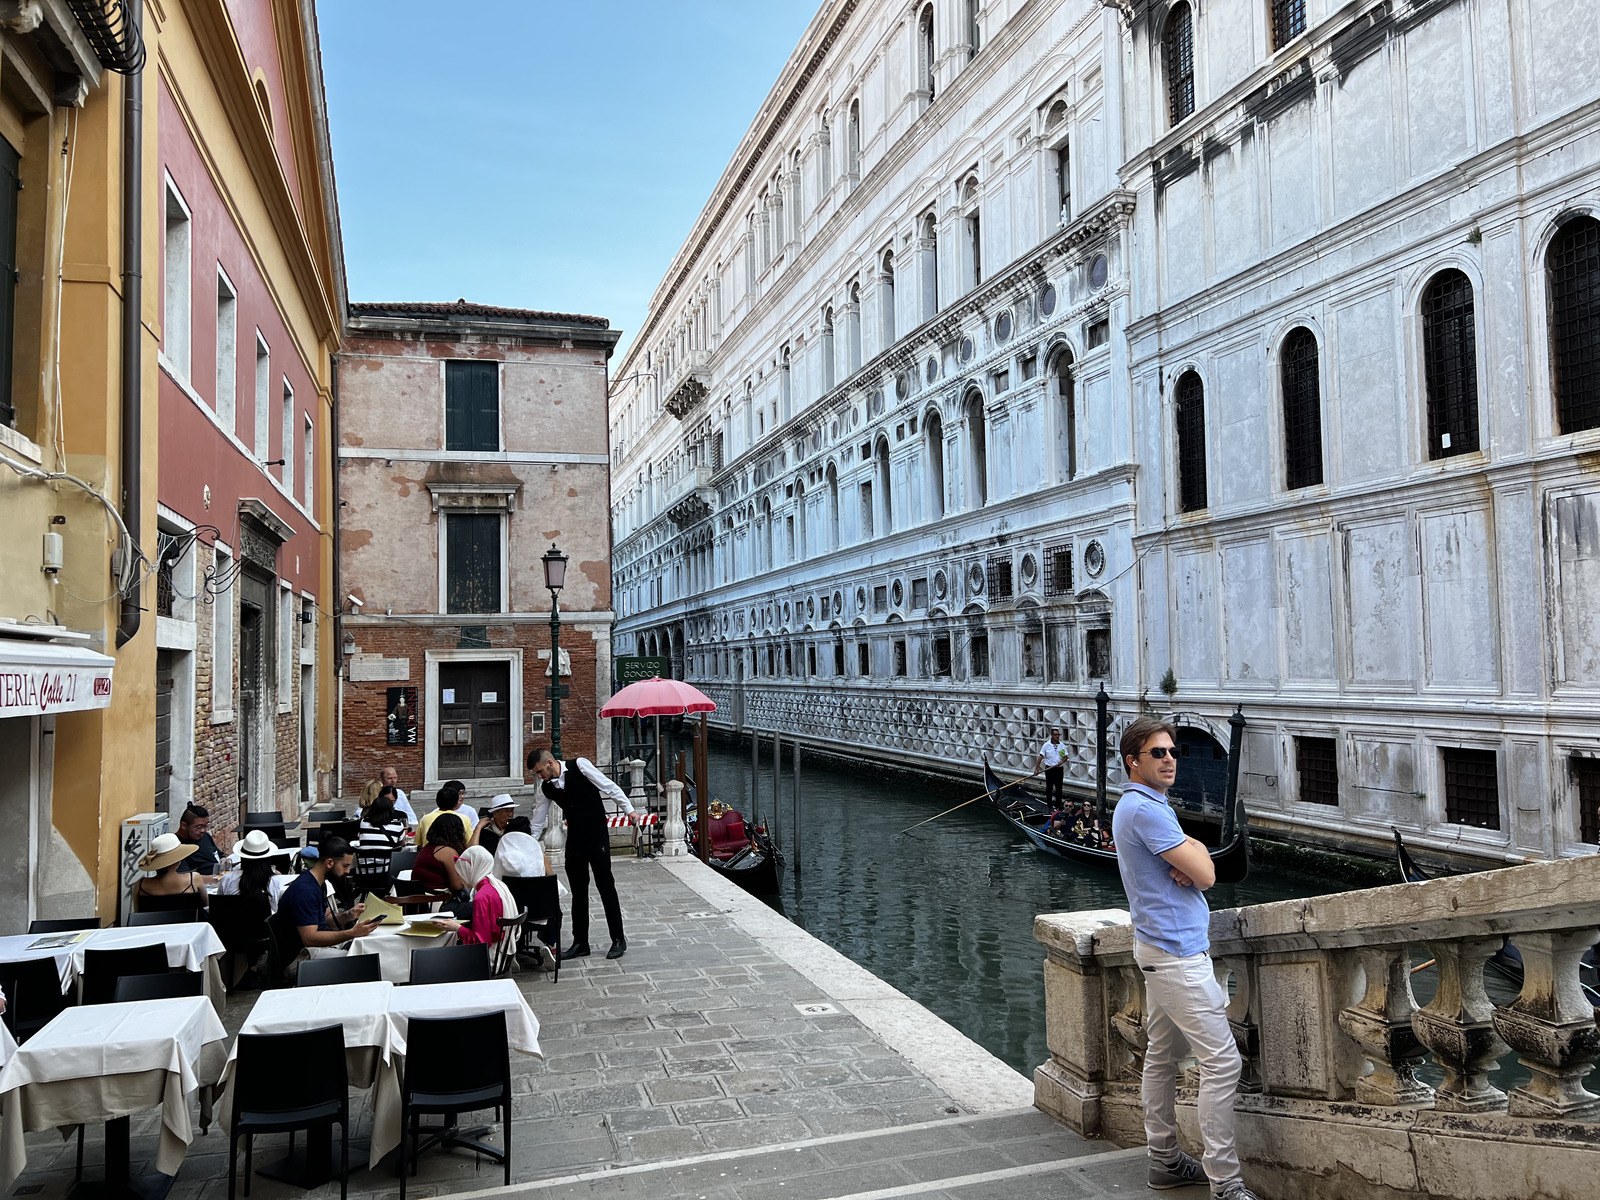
(402, 716)
(42, 678)
(633, 668)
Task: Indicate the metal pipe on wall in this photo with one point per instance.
(131, 450)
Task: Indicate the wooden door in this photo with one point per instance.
(474, 720)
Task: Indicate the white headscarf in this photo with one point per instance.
(521, 855)
(476, 865)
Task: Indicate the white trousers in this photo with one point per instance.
(1186, 1009)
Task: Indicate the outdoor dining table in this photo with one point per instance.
(191, 945)
(448, 1000)
(372, 1049)
(104, 1062)
(394, 948)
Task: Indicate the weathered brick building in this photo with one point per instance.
(471, 439)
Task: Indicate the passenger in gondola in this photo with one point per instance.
(1060, 823)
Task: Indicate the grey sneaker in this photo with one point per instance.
(1182, 1172)
(1234, 1189)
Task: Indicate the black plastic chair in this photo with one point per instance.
(33, 995)
(169, 916)
(505, 946)
(160, 987)
(284, 946)
(269, 1099)
(440, 1079)
(400, 860)
(540, 899)
(64, 925)
(102, 969)
(370, 872)
(348, 830)
(339, 968)
(241, 923)
(182, 902)
(451, 964)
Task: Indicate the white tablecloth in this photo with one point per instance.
(15, 949)
(373, 1045)
(192, 945)
(470, 1000)
(394, 949)
(102, 1061)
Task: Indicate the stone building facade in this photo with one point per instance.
(1236, 353)
(472, 438)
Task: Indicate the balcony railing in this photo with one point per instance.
(689, 498)
(689, 382)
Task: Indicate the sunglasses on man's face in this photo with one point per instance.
(1160, 752)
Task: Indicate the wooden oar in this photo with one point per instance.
(963, 804)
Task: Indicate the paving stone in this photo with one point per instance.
(707, 1110)
(599, 1100)
(742, 1082)
(671, 1091)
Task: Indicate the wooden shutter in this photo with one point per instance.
(472, 563)
(472, 406)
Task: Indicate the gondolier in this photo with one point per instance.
(1164, 873)
(579, 789)
(1051, 761)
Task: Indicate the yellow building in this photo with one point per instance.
(140, 491)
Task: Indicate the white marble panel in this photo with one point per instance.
(1458, 599)
(1383, 646)
(1247, 611)
(1308, 631)
(1366, 388)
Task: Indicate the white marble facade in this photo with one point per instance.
(896, 455)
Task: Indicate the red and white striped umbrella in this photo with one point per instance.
(658, 698)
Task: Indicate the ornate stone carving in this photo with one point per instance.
(1457, 1026)
(1380, 1023)
(1552, 1026)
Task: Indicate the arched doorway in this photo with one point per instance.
(1202, 783)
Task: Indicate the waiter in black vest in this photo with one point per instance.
(580, 790)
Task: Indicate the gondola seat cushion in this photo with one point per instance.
(728, 835)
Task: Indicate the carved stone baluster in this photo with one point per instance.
(1457, 1026)
(1381, 1025)
(1246, 1031)
(1552, 1026)
(1128, 1019)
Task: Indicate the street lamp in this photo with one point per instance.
(555, 578)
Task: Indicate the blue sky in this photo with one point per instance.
(538, 154)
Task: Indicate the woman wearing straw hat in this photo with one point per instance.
(166, 852)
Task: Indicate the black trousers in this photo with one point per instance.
(1052, 785)
(582, 858)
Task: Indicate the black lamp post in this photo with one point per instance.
(555, 578)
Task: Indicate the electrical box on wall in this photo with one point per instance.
(53, 551)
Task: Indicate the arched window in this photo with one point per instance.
(828, 362)
(824, 160)
(933, 435)
(1302, 409)
(1066, 415)
(886, 300)
(880, 458)
(766, 534)
(1190, 410)
(925, 56)
(1450, 365)
(978, 455)
(785, 398)
(1177, 48)
(973, 35)
(802, 541)
(832, 479)
(853, 327)
(1573, 266)
(972, 243)
(1288, 21)
(928, 258)
(853, 141)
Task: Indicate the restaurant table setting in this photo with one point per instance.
(449, 1000)
(191, 945)
(393, 944)
(105, 1062)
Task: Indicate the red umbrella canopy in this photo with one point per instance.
(657, 698)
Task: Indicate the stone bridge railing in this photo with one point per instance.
(1331, 1106)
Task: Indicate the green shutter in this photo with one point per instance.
(472, 562)
(472, 406)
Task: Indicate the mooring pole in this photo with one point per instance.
(777, 782)
(755, 773)
(796, 848)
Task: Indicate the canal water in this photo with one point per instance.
(944, 913)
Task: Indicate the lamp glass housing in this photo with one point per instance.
(555, 569)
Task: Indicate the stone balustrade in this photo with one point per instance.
(1331, 1103)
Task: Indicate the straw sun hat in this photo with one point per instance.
(164, 851)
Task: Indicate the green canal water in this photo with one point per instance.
(945, 914)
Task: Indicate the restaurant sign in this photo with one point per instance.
(38, 679)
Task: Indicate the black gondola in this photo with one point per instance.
(753, 866)
(1030, 813)
(1409, 871)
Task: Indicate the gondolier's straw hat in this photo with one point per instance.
(164, 851)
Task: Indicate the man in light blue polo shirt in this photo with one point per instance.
(1165, 873)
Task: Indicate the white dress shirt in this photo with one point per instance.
(608, 789)
(403, 806)
(1050, 754)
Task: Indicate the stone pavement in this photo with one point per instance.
(706, 1039)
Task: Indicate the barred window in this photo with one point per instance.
(1573, 265)
(1302, 409)
(1191, 420)
(1316, 760)
(1177, 45)
(979, 648)
(999, 581)
(1586, 782)
(1288, 21)
(1058, 571)
(1450, 365)
(941, 656)
(1471, 787)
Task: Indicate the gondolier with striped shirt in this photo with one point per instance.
(1165, 873)
(580, 790)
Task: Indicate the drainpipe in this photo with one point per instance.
(337, 518)
(132, 446)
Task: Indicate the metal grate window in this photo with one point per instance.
(166, 560)
(1317, 762)
(1450, 365)
(863, 659)
(1058, 571)
(941, 657)
(1191, 421)
(1471, 787)
(1097, 649)
(980, 656)
(1586, 781)
(1178, 47)
(1573, 263)
(999, 581)
(1302, 409)
(1288, 21)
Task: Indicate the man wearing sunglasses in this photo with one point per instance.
(1165, 873)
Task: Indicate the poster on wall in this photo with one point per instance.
(402, 710)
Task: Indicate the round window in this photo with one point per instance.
(811, 606)
(1097, 271)
(1094, 559)
(902, 386)
(899, 593)
(940, 585)
(1002, 327)
(932, 369)
(861, 599)
(1047, 299)
(786, 612)
(975, 579)
(1030, 570)
(838, 604)
(966, 349)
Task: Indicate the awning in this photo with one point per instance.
(49, 677)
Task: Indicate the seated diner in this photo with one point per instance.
(257, 873)
(493, 826)
(382, 827)
(491, 900)
(435, 869)
(305, 901)
(166, 852)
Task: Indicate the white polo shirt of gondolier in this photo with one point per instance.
(1051, 753)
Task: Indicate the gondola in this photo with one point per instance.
(1508, 959)
(740, 854)
(1030, 814)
